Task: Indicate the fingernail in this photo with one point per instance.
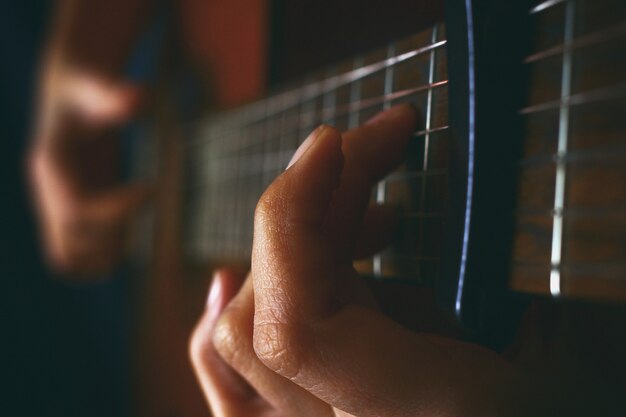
(214, 293)
(305, 145)
(391, 114)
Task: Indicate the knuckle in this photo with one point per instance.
(274, 199)
(270, 223)
(267, 207)
(279, 348)
(274, 212)
(228, 337)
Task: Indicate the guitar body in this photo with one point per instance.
(504, 221)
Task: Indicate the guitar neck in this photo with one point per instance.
(234, 156)
(568, 120)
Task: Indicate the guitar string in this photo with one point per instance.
(284, 155)
(585, 97)
(573, 212)
(293, 124)
(240, 178)
(314, 90)
(561, 168)
(252, 170)
(429, 116)
(423, 132)
(283, 100)
(545, 6)
(381, 187)
(594, 38)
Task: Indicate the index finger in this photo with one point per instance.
(306, 221)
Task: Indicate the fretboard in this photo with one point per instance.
(571, 218)
(234, 156)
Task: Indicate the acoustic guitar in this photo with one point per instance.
(513, 191)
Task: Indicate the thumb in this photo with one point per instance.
(225, 390)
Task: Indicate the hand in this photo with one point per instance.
(83, 213)
(303, 336)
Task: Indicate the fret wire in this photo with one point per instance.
(573, 212)
(401, 176)
(222, 218)
(377, 266)
(283, 136)
(240, 199)
(268, 138)
(429, 116)
(253, 162)
(214, 140)
(199, 230)
(313, 90)
(295, 140)
(430, 131)
(590, 96)
(590, 39)
(258, 182)
(559, 194)
(595, 268)
(604, 154)
(362, 72)
(211, 227)
(285, 153)
(250, 201)
(306, 119)
(387, 98)
(226, 219)
(195, 233)
(545, 5)
(329, 103)
(220, 224)
(348, 109)
(355, 95)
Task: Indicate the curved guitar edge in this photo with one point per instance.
(487, 42)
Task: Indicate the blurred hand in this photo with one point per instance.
(74, 166)
(304, 337)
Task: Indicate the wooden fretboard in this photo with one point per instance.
(233, 157)
(571, 216)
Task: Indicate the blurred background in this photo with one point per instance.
(66, 343)
(63, 345)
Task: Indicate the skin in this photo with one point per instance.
(73, 161)
(303, 334)
(84, 101)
